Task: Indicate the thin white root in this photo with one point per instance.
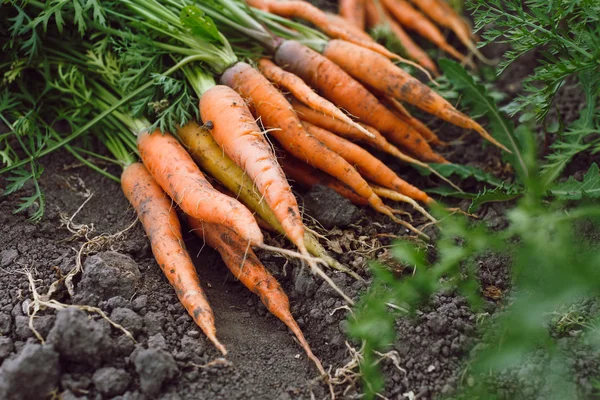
(318, 271)
(43, 301)
(91, 245)
(396, 196)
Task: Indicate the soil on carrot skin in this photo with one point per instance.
(170, 358)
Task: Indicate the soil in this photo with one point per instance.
(84, 357)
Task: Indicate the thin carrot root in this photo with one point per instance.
(457, 118)
(315, 248)
(408, 226)
(304, 93)
(394, 195)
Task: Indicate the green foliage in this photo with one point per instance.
(551, 263)
(572, 189)
(199, 23)
(565, 35)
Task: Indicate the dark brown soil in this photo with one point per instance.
(264, 360)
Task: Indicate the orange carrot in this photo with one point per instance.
(277, 114)
(236, 131)
(444, 15)
(353, 11)
(348, 132)
(303, 92)
(369, 166)
(377, 16)
(161, 224)
(341, 22)
(402, 113)
(413, 20)
(246, 267)
(175, 171)
(307, 176)
(383, 75)
(336, 85)
(308, 12)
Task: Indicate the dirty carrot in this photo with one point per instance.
(377, 16)
(444, 15)
(383, 75)
(368, 165)
(307, 176)
(236, 131)
(175, 171)
(246, 267)
(348, 132)
(413, 20)
(304, 93)
(353, 11)
(207, 153)
(419, 126)
(276, 114)
(308, 12)
(335, 84)
(161, 224)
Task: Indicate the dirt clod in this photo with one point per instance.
(80, 339)
(154, 368)
(330, 208)
(111, 381)
(7, 257)
(6, 347)
(128, 319)
(105, 275)
(30, 375)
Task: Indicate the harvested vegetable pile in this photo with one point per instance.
(211, 109)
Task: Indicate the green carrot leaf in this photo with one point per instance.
(576, 190)
(199, 23)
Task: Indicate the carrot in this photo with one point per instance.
(353, 11)
(277, 114)
(413, 20)
(236, 131)
(308, 12)
(402, 113)
(341, 22)
(246, 267)
(303, 92)
(307, 176)
(348, 132)
(377, 16)
(161, 224)
(368, 165)
(444, 15)
(336, 85)
(176, 173)
(386, 77)
(207, 153)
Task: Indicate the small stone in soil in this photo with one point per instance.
(111, 381)
(37, 366)
(154, 368)
(5, 324)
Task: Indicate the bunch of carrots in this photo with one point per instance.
(325, 102)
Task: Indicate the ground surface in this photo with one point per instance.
(87, 358)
